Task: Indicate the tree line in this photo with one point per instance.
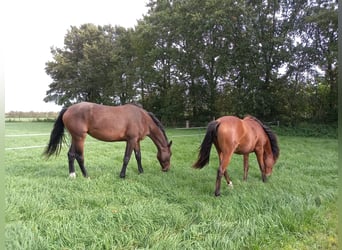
(31, 115)
(197, 60)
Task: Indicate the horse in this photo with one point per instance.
(129, 123)
(230, 135)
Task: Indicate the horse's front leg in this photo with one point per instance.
(137, 154)
(261, 163)
(245, 166)
(127, 157)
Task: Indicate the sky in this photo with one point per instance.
(31, 28)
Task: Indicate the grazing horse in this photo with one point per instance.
(128, 123)
(241, 136)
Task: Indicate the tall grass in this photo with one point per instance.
(295, 209)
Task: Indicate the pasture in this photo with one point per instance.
(45, 209)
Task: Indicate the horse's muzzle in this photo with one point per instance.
(165, 169)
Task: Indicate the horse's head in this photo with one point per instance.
(271, 152)
(270, 160)
(269, 163)
(164, 157)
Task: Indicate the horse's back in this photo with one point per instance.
(107, 123)
(229, 132)
(236, 134)
(231, 120)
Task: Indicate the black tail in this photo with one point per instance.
(56, 137)
(205, 148)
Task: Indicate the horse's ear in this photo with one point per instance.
(170, 143)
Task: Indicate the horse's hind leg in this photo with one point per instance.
(71, 158)
(138, 157)
(229, 182)
(80, 160)
(218, 183)
(76, 152)
(222, 170)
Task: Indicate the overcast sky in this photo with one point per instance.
(32, 27)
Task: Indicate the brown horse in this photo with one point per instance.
(128, 123)
(232, 135)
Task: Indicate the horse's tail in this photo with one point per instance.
(56, 137)
(205, 148)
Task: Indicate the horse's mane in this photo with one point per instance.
(154, 118)
(271, 136)
(158, 123)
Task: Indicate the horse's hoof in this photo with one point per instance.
(72, 175)
(230, 185)
(122, 176)
(217, 194)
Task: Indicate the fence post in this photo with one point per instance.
(187, 124)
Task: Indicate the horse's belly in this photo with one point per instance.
(245, 149)
(105, 135)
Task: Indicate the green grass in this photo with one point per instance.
(295, 209)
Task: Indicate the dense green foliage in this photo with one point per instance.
(295, 209)
(193, 60)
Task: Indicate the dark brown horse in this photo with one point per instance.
(128, 123)
(232, 135)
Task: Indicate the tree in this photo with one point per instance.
(91, 67)
(123, 86)
(200, 60)
(321, 38)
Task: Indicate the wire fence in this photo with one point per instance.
(46, 134)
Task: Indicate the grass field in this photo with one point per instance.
(295, 209)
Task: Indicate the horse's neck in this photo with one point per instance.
(157, 136)
(268, 151)
(267, 147)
